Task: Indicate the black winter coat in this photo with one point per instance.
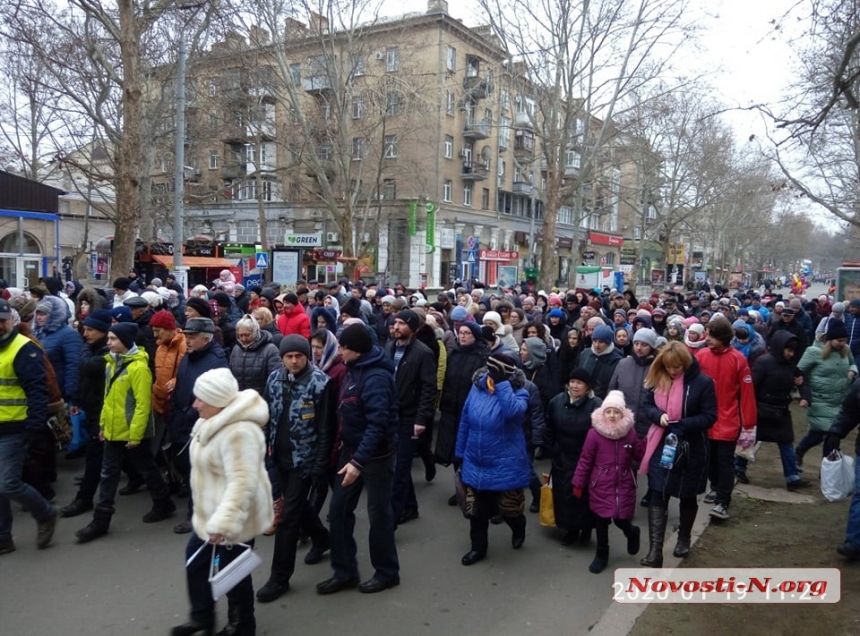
(600, 367)
(460, 368)
(699, 414)
(415, 378)
(253, 366)
(91, 382)
(773, 378)
(195, 363)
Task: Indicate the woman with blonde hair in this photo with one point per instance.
(680, 399)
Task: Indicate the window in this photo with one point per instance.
(504, 132)
(357, 148)
(449, 103)
(392, 104)
(565, 215)
(571, 159)
(472, 64)
(214, 124)
(452, 59)
(390, 146)
(392, 59)
(325, 151)
(249, 153)
(447, 187)
(518, 174)
(358, 65)
(449, 146)
(467, 195)
(357, 106)
(505, 97)
(488, 115)
(637, 232)
(485, 199)
(389, 189)
(296, 74)
(525, 105)
(213, 159)
(213, 88)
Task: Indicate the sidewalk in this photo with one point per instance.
(769, 527)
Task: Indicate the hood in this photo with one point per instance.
(375, 356)
(57, 318)
(262, 340)
(53, 284)
(135, 353)
(609, 430)
(90, 295)
(778, 343)
(537, 353)
(330, 353)
(226, 276)
(247, 407)
(606, 351)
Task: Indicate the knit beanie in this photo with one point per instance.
(121, 314)
(458, 314)
(200, 306)
(488, 333)
(646, 335)
(582, 375)
(295, 343)
(221, 298)
(838, 308)
(44, 306)
(216, 387)
(156, 282)
(697, 328)
(26, 307)
(555, 313)
(494, 317)
(291, 298)
(162, 319)
(835, 329)
(603, 333)
(125, 332)
(356, 338)
(474, 327)
(614, 399)
(122, 283)
(352, 307)
(98, 320)
(410, 318)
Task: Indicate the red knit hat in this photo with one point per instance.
(163, 319)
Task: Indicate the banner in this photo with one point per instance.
(413, 218)
(430, 239)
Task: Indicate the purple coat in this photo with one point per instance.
(605, 466)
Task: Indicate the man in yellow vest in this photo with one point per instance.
(23, 412)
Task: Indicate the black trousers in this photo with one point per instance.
(601, 526)
(721, 470)
(95, 450)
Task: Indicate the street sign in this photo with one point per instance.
(470, 258)
(262, 260)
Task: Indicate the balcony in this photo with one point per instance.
(522, 188)
(325, 163)
(477, 87)
(234, 171)
(524, 148)
(317, 84)
(473, 171)
(476, 130)
(571, 171)
(523, 120)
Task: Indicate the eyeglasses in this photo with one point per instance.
(465, 333)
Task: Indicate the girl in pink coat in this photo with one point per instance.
(606, 467)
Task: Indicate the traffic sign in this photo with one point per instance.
(471, 256)
(262, 260)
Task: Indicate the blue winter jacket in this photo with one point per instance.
(490, 441)
(63, 346)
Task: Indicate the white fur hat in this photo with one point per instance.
(217, 387)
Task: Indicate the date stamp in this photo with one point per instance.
(727, 585)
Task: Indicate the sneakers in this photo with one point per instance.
(7, 546)
(711, 497)
(797, 484)
(720, 511)
(45, 530)
(845, 549)
(742, 477)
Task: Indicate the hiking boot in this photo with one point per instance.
(797, 484)
(278, 509)
(77, 507)
(711, 497)
(720, 511)
(45, 530)
(7, 546)
(98, 527)
(162, 509)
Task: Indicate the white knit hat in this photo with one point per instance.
(614, 399)
(494, 317)
(216, 388)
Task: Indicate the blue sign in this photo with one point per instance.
(470, 256)
(262, 260)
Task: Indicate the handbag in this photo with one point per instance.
(547, 507)
(61, 429)
(747, 453)
(222, 581)
(79, 431)
(837, 476)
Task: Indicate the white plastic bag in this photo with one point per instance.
(837, 476)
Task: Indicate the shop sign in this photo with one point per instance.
(498, 255)
(303, 240)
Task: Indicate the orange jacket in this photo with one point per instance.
(167, 359)
(735, 392)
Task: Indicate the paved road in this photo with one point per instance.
(132, 580)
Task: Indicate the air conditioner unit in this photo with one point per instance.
(380, 55)
(332, 237)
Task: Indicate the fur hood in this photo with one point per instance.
(248, 406)
(609, 430)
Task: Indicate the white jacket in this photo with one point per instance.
(229, 483)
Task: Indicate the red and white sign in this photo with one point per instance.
(498, 255)
(602, 238)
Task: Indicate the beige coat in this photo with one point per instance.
(229, 483)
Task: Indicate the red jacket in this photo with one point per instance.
(295, 321)
(735, 392)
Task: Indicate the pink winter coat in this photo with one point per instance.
(605, 466)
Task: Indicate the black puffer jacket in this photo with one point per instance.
(773, 378)
(253, 365)
(91, 382)
(600, 367)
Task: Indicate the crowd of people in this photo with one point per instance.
(258, 405)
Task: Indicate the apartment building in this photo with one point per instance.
(406, 148)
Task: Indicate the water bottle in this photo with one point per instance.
(667, 459)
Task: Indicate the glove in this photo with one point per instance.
(496, 374)
(577, 492)
(831, 443)
(747, 438)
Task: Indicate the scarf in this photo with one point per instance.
(673, 405)
(329, 354)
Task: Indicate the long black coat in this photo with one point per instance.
(567, 425)
(91, 382)
(461, 366)
(773, 378)
(698, 415)
(600, 367)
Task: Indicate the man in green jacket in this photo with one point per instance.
(126, 420)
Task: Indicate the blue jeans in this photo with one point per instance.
(13, 452)
(376, 477)
(789, 462)
(852, 532)
(811, 439)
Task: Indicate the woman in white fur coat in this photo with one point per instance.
(231, 492)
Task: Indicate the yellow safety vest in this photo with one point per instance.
(13, 399)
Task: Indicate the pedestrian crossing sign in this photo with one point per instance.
(262, 260)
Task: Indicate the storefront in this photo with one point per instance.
(499, 267)
(322, 265)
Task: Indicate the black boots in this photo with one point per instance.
(518, 529)
(77, 507)
(688, 516)
(601, 558)
(237, 625)
(656, 531)
(633, 539)
(98, 527)
(162, 508)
